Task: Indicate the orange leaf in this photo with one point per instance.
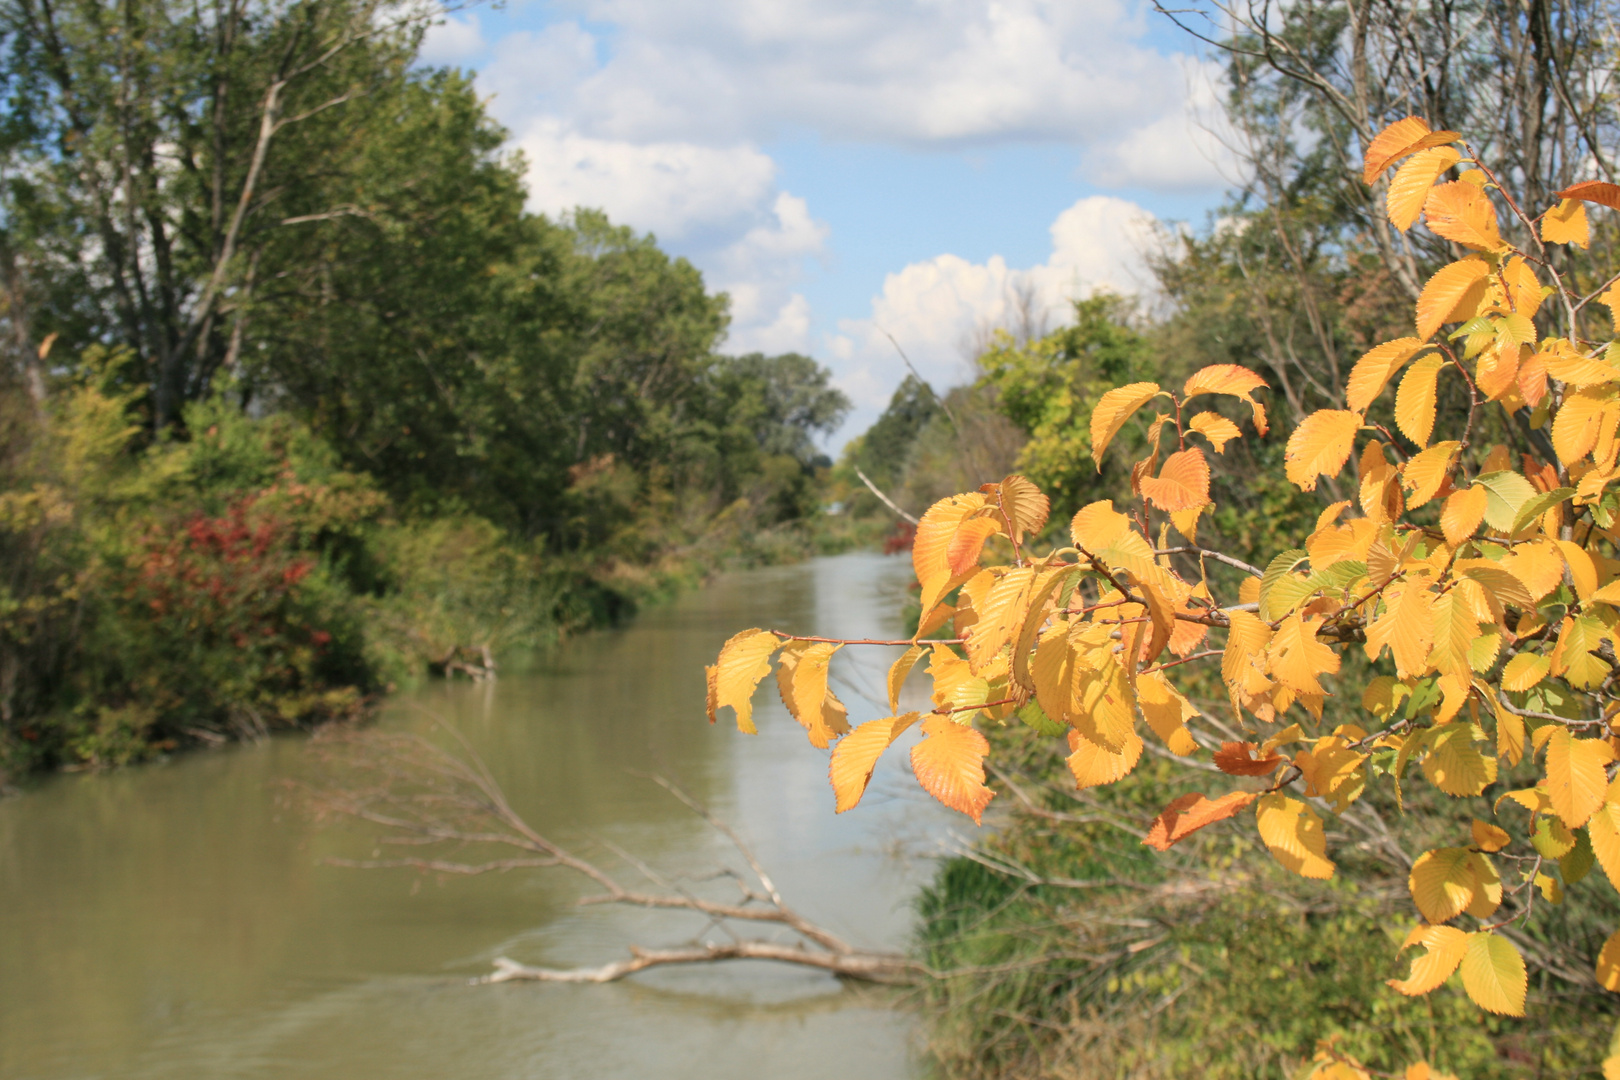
(949, 764)
(1399, 139)
(1426, 471)
(1462, 212)
(744, 660)
(968, 543)
(1111, 412)
(1025, 506)
(1216, 428)
(1189, 813)
(1182, 483)
(1595, 191)
(1462, 513)
(1233, 379)
(930, 550)
(1320, 446)
(1453, 293)
(1415, 400)
(1235, 759)
(1373, 371)
(1410, 185)
(856, 755)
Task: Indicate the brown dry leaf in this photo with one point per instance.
(1237, 759)
(1594, 191)
(949, 763)
(1189, 813)
(856, 755)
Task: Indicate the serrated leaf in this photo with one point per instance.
(1411, 183)
(801, 676)
(1189, 813)
(1234, 380)
(1406, 626)
(1576, 776)
(1373, 371)
(1035, 717)
(744, 660)
(899, 670)
(1523, 671)
(1539, 505)
(1493, 974)
(1216, 428)
(1095, 765)
(856, 755)
(1455, 765)
(1505, 493)
(1488, 837)
(1566, 224)
(967, 544)
(1046, 588)
(1281, 566)
(1320, 446)
(1577, 370)
(1297, 658)
(1237, 759)
(1293, 833)
(1608, 963)
(1166, 712)
(1453, 294)
(1462, 512)
(1426, 471)
(1579, 422)
(1112, 410)
(1573, 656)
(1001, 614)
(1182, 483)
(1396, 141)
(1443, 946)
(1594, 191)
(1443, 883)
(931, 548)
(1603, 831)
(1456, 627)
(1463, 213)
(1097, 525)
(1025, 505)
(1415, 401)
(949, 763)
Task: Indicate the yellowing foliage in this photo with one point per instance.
(1483, 582)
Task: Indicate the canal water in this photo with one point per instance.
(177, 920)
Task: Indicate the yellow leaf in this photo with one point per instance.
(1488, 837)
(1186, 522)
(968, 544)
(949, 763)
(1456, 628)
(1453, 293)
(1603, 830)
(1293, 833)
(801, 679)
(1411, 183)
(1523, 671)
(1166, 712)
(1569, 366)
(930, 550)
(1539, 566)
(1582, 570)
(1427, 471)
(1234, 380)
(1102, 705)
(1042, 596)
(1455, 765)
(1113, 409)
(1246, 638)
(1095, 765)
(1320, 446)
(1443, 946)
(1462, 512)
(1025, 506)
(898, 672)
(1216, 428)
(744, 661)
(1463, 213)
(1566, 224)
(1493, 974)
(1572, 656)
(1579, 423)
(1406, 626)
(1097, 525)
(856, 755)
(1399, 139)
(1373, 371)
(1002, 613)
(1576, 780)
(1415, 401)
(1187, 814)
(1297, 658)
(1443, 883)
(1182, 483)
(1608, 965)
(1523, 289)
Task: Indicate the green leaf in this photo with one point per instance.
(1338, 577)
(1035, 716)
(1278, 568)
(1576, 864)
(1538, 506)
(1505, 493)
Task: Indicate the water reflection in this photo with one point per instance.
(174, 921)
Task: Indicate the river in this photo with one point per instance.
(176, 920)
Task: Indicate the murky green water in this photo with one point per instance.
(176, 921)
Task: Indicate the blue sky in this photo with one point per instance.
(849, 171)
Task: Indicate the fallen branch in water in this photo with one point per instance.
(419, 794)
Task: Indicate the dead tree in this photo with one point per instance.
(417, 794)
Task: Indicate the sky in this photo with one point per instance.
(854, 172)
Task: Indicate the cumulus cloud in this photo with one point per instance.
(1185, 148)
(938, 310)
(452, 41)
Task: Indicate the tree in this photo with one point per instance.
(1471, 602)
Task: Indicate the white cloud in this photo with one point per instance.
(1185, 148)
(452, 41)
(936, 310)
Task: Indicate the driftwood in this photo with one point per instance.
(416, 793)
